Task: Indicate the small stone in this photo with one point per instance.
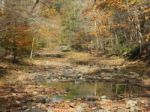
(18, 102)
(103, 98)
(24, 107)
(27, 110)
(142, 101)
(72, 105)
(14, 94)
(35, 93)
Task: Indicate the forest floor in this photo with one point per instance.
(22, 86)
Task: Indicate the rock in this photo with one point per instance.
(103, 97)
(34, 110)
(49, 110)
(18, 102)
(42, 99)
(132, 106)
(72, 105)
(64, 48)
(35, 93)
(24, 107)
(134, 74)
(39, 78)
(80, 108)
(55, 100)
(91, 98)
(107, 77)
(131, 103)
(55, 80)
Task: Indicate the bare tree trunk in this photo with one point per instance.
(32, 48)
(95, 89)
(97, 38)
(139, 31)
(14, 50)
(117, 41)
(91, 46)
(101, 44)
(14, 47)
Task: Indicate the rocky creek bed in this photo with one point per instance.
(50, 86)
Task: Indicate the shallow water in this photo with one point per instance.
(98, 89)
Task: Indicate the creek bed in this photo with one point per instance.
(110, 90)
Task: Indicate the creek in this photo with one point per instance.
(96, 89)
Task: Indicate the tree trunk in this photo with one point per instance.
(14, 51)
(97, 38)
(32, 48)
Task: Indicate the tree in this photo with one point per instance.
(119, 24)
(16, 37)
(74, 25)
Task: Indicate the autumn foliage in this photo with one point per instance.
(114, 27)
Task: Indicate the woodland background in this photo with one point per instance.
(110, 27)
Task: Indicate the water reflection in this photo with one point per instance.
(75, 90)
